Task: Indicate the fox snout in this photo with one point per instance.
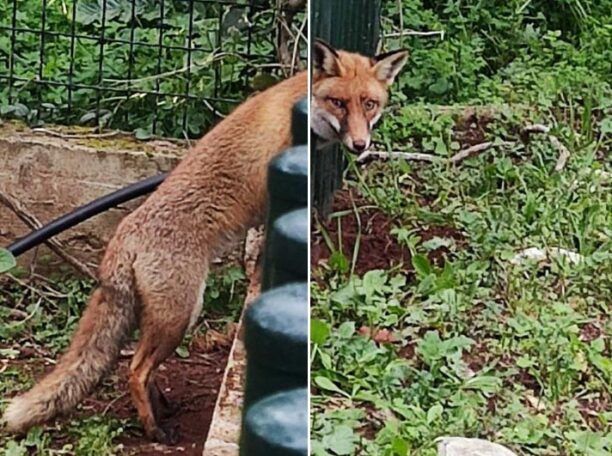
(339, 125)
(357, 145)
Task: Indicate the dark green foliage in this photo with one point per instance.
(503, 50)
(225, 58)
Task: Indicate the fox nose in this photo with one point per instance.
(359, 145)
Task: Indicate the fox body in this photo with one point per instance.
(153, 273)
(349, 94)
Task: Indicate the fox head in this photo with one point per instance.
(349, 93)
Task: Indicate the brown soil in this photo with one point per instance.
(378, 248)
(471, 128)
(589, 332)
(192, 383)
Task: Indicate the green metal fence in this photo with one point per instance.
(352, 25)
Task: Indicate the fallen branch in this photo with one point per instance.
(33, 223)
(470, 152)
(564, 153)
(439, 33)
(14, 313)
(415, 156)
(476, 149)
(536, 128)
(76, 135)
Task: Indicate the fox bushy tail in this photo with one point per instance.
(101, 333)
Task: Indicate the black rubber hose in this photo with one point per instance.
(85, 212)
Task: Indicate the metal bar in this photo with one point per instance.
(41, 59)
(101, 61)
(116, 90)
(72, 48)
(12, 56)
(188, 73)
(220, 47)
(107, 40)
(128, 92)
(159, 59)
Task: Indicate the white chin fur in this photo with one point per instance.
(325, 125)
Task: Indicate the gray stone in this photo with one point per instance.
(461, 446)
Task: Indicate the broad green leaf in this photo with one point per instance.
(328, 385)
(421, 265)
(7, 261)
(319, 331)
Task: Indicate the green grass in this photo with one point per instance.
(478, 346)
(481, 347)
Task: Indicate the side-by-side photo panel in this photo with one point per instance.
(154, 227)
(460, 232)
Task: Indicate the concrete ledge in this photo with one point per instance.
(54, 172)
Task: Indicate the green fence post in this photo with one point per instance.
(286, 257)
(277, 426)
(299, 122)
(352, 25)
(276, 325)
(287, 183)
(276, 340)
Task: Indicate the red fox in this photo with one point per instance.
(153, 273)
(349, 93)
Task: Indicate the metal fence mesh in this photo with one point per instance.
(162, 67)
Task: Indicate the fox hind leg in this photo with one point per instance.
(158, 341)
(169, 291)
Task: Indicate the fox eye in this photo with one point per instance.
(370, 104)
(337, 102)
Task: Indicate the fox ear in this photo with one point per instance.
(388, 65)
(325, 59)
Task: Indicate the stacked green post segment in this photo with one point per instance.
(351, 25)
(275, 419)
(276, 336)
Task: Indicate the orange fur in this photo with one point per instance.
(349, 93)
(152, 272)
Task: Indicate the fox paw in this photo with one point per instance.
(166, 436)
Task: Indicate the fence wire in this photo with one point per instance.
(157, 67)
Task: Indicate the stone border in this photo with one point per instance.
(224, 432)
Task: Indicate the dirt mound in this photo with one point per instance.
(192, 382)
(378, 248)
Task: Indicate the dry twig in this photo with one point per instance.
(564, 153)
(288, 8)
(413, 156)
(33, 223)
(476, 149)
(76, 135)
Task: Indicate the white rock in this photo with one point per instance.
(542, 255)
(461, 446)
